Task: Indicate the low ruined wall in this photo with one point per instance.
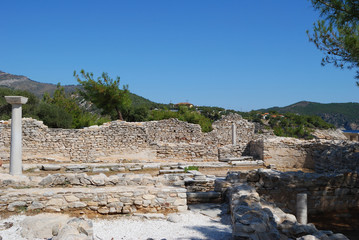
(336, 157)
(109, 200)
(114, 194)
(156, 140)
(282, 151)
(326, 192)
(254, 218)
(319, 155)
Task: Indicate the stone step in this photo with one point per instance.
(242, 158)
(170, 171)
(248, 163)
(119, 167)
(204, 197)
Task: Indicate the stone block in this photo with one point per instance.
(103, 210)
(51, 167)
(57, 202)
(71, 198)
(77, 205)
(12, 206)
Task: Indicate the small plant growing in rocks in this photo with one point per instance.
(189, 168)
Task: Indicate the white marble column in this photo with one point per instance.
(234, 134)
(302, 215)
(16, 133)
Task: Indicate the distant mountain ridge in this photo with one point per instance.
(341, 115)
(24, 83)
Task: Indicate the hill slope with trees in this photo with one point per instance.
(341, 115)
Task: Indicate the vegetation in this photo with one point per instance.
(190, 168)
(54, 116)
(338, 114)
(183, 114)
(105, 93)
(337, 33)
(293, 125)
(28, 110)
(64, 110)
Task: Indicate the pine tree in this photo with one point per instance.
(104, 93)
(336, 34)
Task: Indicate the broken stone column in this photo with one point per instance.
(302, 217)
(234, 134)
(16, 133)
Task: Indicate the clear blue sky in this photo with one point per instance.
(241, 55)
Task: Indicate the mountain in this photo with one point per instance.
(341, 115)
(24, 83)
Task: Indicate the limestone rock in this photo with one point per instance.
(40, 226)
(175, 218)
(51, 167)
(12, 206)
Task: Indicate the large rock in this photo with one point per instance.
(42, 225)
(76, 229)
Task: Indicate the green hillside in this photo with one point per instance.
(341, 115)
(138, 101)
(19, 82)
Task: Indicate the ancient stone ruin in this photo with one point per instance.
(149, 167)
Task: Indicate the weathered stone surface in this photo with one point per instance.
(105, 200)
(71, 198)
(328, 192)
(175, 218)
(41, 226)
(76, 228)
(36, 205)
(321, 155)
(51, 167)
(165, 139)
(77, 205)
(12, 206)
(254, 218)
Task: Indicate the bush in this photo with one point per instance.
(189, 168)
(183, 114)
(53, 116)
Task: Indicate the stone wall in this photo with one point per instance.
(254, 218)
(326, 192)
(115, 194)
(157, 140)
(282, 151)
(109, 200)
(319, 154)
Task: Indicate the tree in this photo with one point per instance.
(28, 110)
(104, 93)
(54, 116)
(337, 33)
(71, 105)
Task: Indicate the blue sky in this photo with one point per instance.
(240, 55)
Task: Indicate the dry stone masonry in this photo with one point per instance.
(157, 140)
(326, 192)
(255, 219)
(320, 155)
(116, 194)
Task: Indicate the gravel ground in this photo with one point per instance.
(190, 225)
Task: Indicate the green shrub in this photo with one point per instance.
(54, 116)
(189, 168)
(183, 114)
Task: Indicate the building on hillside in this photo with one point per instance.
(186, 104)
(352, 135)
